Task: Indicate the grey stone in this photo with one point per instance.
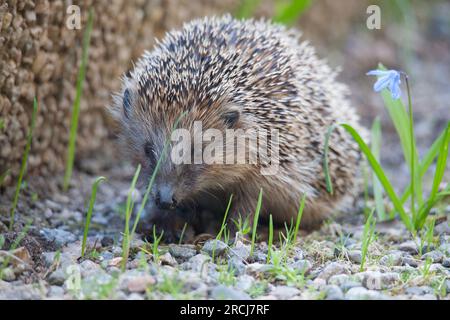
(236, 265)
(446, 262)
(55, 292)
(428, 248)
(375, 280)
(182, 252)
(214, 246)
(304, 266)
(222, 292)
(241, 250)
(57, 236)
(57, 277)
(437, 267)
(419, 291)
(408, 261)
(258, 267)
(284, 292)
(117, 251)
(445, 248)
(167, 259)
(106, 255)
(427, 296)
(135, 281)
(244, 282)
(355, 256)
(344, 281)
(197, 262)
(392, 259)
(332, 269)
(259, 256)
(333, 292)
(88, 267)
(64, 259)
(360, 293)
(107, 241)
(409, 246)
(434, 256)
(442, 228)
(18, 292)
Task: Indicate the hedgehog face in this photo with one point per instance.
(185, 175)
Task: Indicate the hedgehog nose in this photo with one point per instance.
(165, 199)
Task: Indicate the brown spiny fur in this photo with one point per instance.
(214, 66)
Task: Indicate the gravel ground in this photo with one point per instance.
(324, 264)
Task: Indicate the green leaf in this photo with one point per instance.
(255, 221)
(89, 212)
(438, 176)
(23, 166)
(377, 188)
(376, 167)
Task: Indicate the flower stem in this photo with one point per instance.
(413, 151)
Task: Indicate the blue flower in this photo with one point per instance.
(389, 79)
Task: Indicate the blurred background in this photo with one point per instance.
(40, 56)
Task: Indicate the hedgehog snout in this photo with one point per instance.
(165, 198)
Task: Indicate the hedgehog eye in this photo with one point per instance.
(150, 153)
(127, 103)
(231, 118)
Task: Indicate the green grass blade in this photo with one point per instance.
(23, 166)
(299, 217)
(369, 229)
(377, 188)
(270, 241)
(326, 168)
(288, 12)
(128, 212)
(255, 221)
(224, 221)
(89, 212)
(182, 233)
(76, 105)
(3, 177)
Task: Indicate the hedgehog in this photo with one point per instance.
(231, 74)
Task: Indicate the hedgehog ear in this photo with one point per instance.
(126, 102)
(231, 118)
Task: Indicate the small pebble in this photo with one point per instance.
(284, 292)
(333, 292)
(222, 292)
(214, 246)
(434, 256)
(182, 252)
